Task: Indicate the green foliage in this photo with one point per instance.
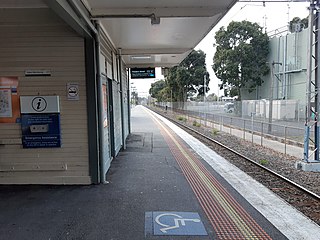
(234, 91)
(264, 162)
(183, 80)
(159, 90)
(196, 124)
(212, 97)
(188, 77)
(134, 98)
(215, 131)
(241, 57)
(297, 24)
(181, 118)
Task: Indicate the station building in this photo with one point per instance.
(64, 82)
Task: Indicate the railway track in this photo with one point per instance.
(296, 195)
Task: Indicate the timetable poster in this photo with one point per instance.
(9, 100)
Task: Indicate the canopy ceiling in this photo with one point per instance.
(157, 33)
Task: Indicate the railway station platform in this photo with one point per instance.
(164, 185)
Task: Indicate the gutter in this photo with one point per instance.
(74, 5)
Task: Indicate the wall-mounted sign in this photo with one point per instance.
(39, 104)
(40, 130)
(73, 91)
(142, 73)
(37, 73)
(9, 100)
(40, 121)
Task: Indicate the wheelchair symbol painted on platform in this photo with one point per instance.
(177, 221)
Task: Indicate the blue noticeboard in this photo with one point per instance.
(41, 130)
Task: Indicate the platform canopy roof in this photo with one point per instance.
(149, 33)
(157, 33)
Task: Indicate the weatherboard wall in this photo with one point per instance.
(33, 39)
(111, 58)
(109, 52)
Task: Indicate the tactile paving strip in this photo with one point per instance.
(228, 218)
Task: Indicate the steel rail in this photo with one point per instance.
(303, 189)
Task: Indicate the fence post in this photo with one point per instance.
(230, 125)
(205, 112)
(188, 115)
(285, 139)
(221, 123)
(205, 120)
(261, 134)
(252, 127)
(244, 129)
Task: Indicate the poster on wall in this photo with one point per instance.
(9, 100)
(105, 106)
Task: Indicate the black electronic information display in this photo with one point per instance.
(142, 73)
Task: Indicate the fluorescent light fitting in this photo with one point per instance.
(141, 57)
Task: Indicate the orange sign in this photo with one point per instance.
(105, 106)
(9, 100)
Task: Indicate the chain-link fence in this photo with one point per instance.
(249, 119)
(281, 110)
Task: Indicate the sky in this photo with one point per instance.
(272, 16)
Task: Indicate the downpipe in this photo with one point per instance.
(100, 106)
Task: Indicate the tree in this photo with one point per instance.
(158, 91)
(188, 77)
(241, 57)
(297, 24)
(134, 97)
